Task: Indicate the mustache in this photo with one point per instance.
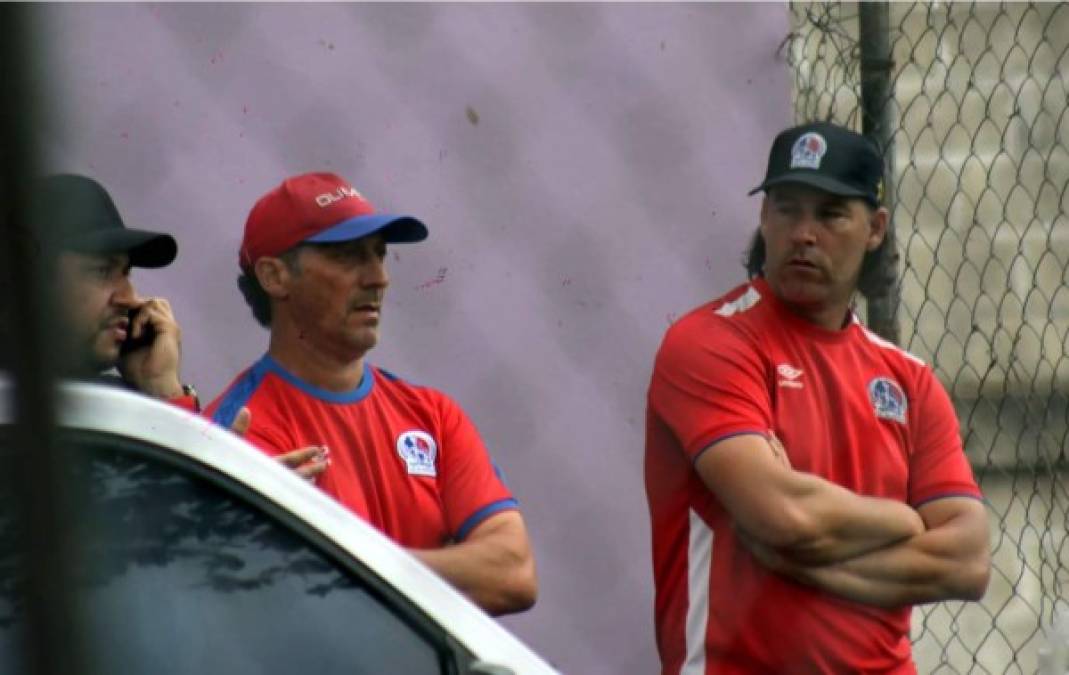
(367, 301)
(803, 256)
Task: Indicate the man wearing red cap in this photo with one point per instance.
(404, 457)
(805, 478)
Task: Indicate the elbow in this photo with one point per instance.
(974, 578)
(972, 574)
(525, 590)
(519, 589)
(523, 585)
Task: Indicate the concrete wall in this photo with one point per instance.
(583, 170)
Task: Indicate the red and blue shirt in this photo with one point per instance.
(403, 457)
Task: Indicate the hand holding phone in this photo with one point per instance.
(150, 361)
(147, 337)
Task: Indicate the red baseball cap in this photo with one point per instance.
(318, 208)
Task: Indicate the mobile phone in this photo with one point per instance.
(130, 344)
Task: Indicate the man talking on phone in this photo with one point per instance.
(111, 333)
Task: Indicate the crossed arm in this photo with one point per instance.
(493, 565)
(876, 551)
(812, 519)
(950, 560)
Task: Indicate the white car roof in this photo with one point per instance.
(112, 410)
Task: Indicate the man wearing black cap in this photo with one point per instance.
(805, 478)
(105, 323)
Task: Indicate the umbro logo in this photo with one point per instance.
(789, 376)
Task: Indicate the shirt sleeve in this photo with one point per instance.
(264, 431)
(186, 402)
(709, 384)
(471, 487)
(938, 465)
(271, 440)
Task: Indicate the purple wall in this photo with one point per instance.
(583, 170)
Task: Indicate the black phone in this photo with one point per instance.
(130, 344)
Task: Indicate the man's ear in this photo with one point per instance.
(274, 276)
(877, 228)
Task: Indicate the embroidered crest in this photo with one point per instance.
(808, 150)
(888, 399)
(418, 450)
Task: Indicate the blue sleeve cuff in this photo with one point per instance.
(482, 514)
(744, 432)
(968, 495)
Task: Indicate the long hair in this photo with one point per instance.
(879, 267)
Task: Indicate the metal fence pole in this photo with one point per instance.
(47, 527)
(877, 122)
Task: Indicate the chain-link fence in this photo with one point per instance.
(970, 103)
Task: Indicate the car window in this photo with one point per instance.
(183, 576)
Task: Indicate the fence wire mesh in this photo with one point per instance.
(976, 126)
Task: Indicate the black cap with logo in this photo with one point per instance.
(828, 157)
(84, 218)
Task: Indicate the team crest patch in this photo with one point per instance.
(888, 399)
(808, 150)
(418, 450)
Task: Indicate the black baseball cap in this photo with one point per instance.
(828, 157)
(83, 217)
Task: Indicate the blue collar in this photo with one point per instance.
(266, 364)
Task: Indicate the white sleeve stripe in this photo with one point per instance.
(740, 304)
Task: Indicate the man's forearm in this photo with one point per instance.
(493, 566)
(840, 524)
(796, 512)
(897, 576)
(951, 560)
